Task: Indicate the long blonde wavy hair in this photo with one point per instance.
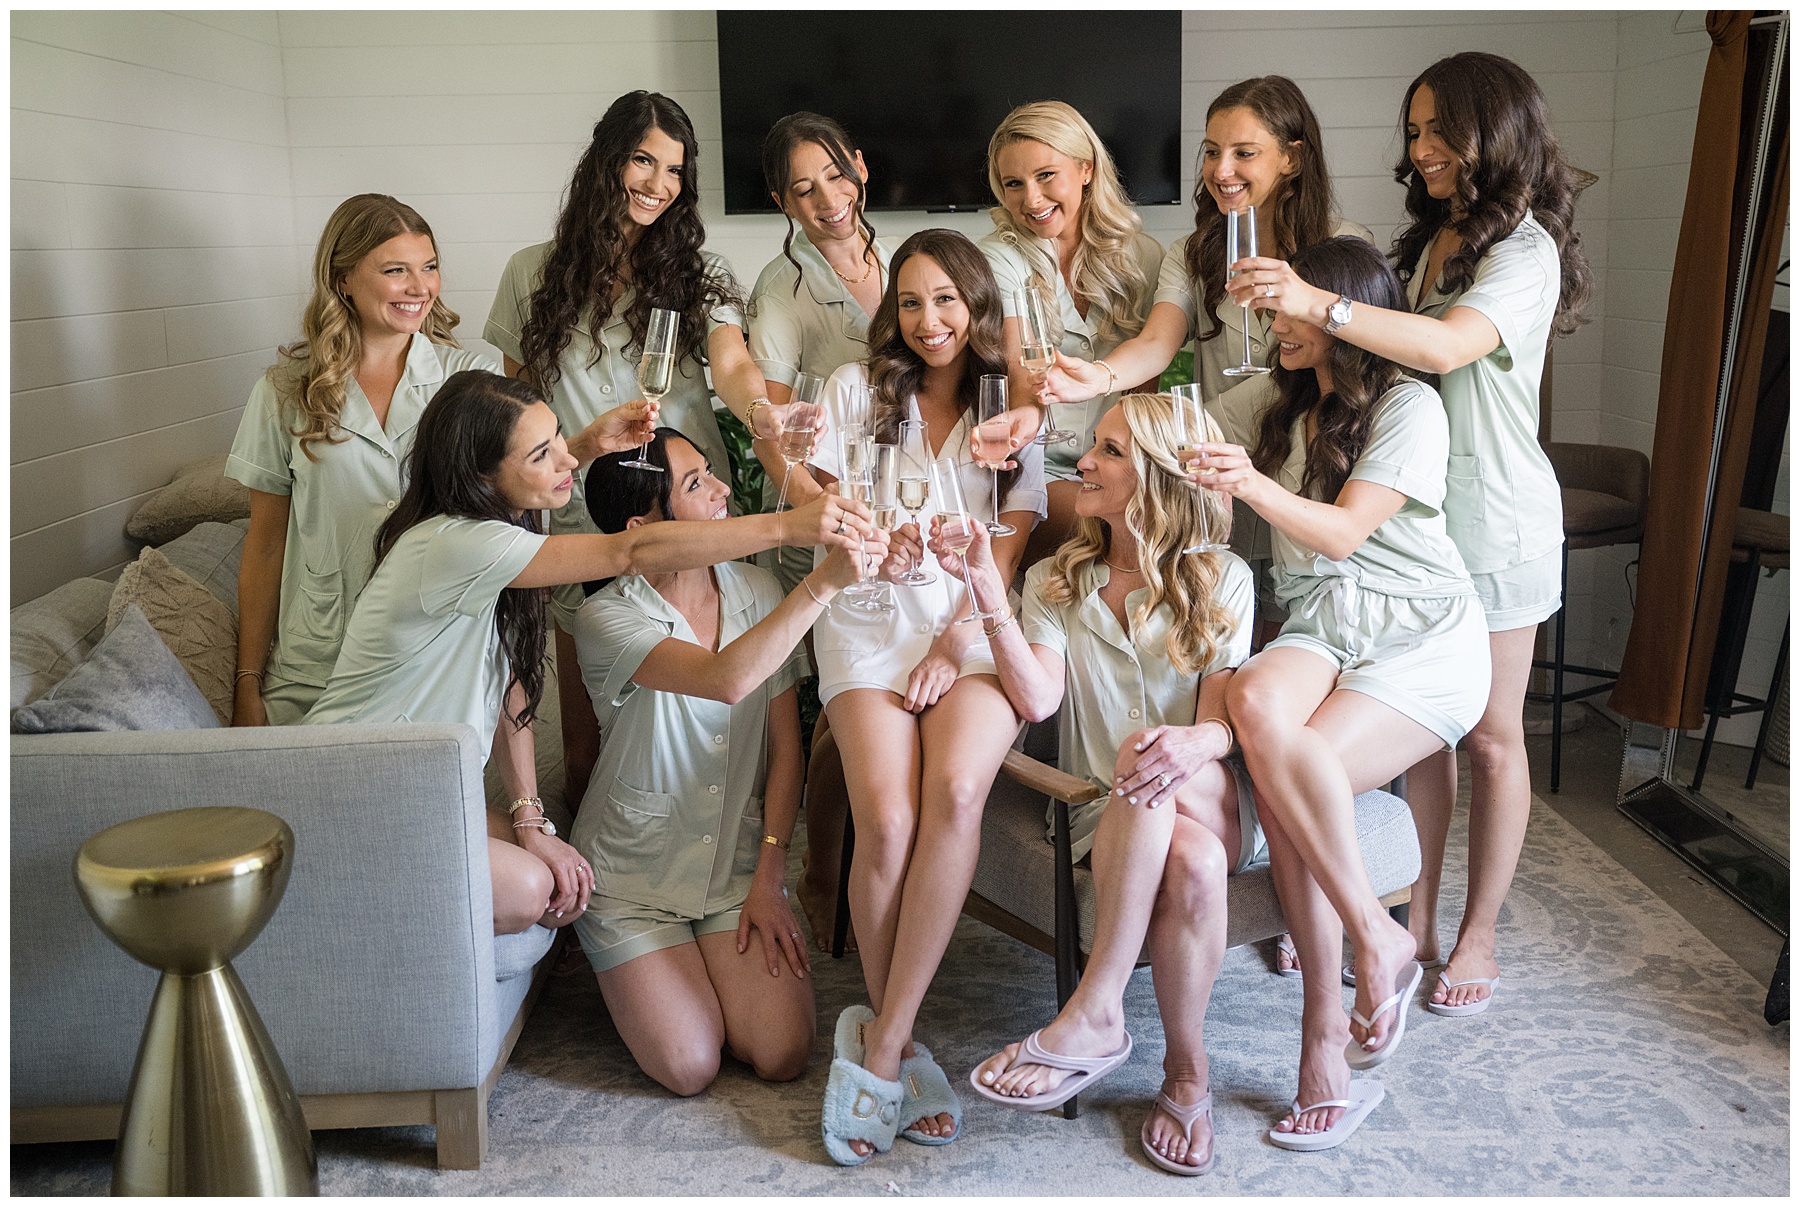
(1104, 270)
(313, 373)
(1164, 518)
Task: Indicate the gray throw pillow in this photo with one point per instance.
(130, 681)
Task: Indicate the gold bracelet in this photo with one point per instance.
(1112, 378)
(773, 841)
(523, 801)
(241, 674)
(994, 632)
(1230, 733)
(750, 414)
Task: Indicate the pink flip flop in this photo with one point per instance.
(1086, 1071)
(1187, 1116)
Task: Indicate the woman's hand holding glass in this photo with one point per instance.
(1072, 379)
(1227, 468)
(828, 520)
(766, 911)
(627, 426)
(975, 564)
(1269, 284)
(1168, 756)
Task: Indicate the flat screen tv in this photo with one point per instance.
(921, 92)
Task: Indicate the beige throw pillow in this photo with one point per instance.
(196, 627)
(200, 492)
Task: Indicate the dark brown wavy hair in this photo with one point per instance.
(1303, 203)
(1356, 269)
(464, 434)
(1493, 116)
(895, 370)
(589, 253)
(778, 170)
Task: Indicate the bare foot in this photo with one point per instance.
(1469, 961)
(1378, 966)
(1166, 1134)
(1324, 1077)
(1072, 1033)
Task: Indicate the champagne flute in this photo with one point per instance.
(798, 429)
(993, 436)
(913, 487)
(1037, 352)
(1240, 242)
(1193, 427)
(858, 484)
(955, 525)
(882, 479)
(656, 370)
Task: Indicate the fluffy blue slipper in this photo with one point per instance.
(927, 1092)
(858, 1104)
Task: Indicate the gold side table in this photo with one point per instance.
(210, 1109)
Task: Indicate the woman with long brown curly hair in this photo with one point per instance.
(1262, 148)
(1380, 663)
(1136, 643)
(1495, 268)
(323, 445)
(571, 315)
(918, 714)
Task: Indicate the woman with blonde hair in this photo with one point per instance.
(1065, 228)
(1136, 644)
(324, 442)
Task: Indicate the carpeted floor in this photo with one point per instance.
(1625, 1054)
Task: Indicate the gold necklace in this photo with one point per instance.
(846, 280)
(1122, 569)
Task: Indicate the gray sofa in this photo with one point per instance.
(379, 977)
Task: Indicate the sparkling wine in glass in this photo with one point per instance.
(993, 437)
(1193, 427)
(795, 441)
(865, 595)
(913, 487)
(656, 370)
(955, 525)
(1240, 242)
(1037, 352)
(883, 479)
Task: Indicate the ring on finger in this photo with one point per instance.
(1163, 778)
(1268, 291)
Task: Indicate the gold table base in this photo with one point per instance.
(210, 1109)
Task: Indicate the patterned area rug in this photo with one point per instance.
(1624, 1055)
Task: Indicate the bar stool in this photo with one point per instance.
(1605, 491)
(1760, 540)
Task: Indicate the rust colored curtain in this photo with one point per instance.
(1681, 572)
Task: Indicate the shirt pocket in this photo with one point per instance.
(313, 632)
(631, 833)
(1465, 498)
(749, 838)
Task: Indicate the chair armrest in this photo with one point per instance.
(377, 968)
(1041, 777)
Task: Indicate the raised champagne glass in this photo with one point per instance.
(1193, 427)
(955, 524)
(913, 487)
(656, 370)
(1240, 242)
(1037, 352)
(993, 439)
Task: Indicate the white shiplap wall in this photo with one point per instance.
(171, 173)
(153, 263)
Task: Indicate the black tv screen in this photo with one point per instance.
(921, 92)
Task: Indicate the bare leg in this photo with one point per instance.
(827, 804)
(1310, 749)
(1499, 808)
(1187, 944)
(962, 738)
(1136, 875)
(668, 1014)
(1319, 938)
(522, 884)
(580, 725)
(769, 1020)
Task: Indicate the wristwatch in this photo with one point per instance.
(1337, 314)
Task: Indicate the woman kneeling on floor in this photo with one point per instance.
(692, 803)
(1382, 661)
(1141, 639)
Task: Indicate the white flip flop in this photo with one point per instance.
(1364, 1096)
(1467, 1008)
(1360, 1057)
(1285, 945)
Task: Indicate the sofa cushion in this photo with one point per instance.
(211, 552)
(53, 634)
(196, 627)
(200, 491)
(516, 955)
(130, 681)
